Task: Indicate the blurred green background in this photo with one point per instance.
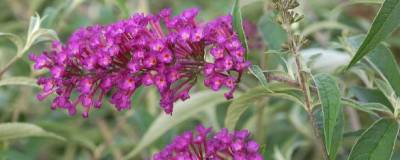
(280, 126)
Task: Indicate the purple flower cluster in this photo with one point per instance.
(223, 145)
(155, 50)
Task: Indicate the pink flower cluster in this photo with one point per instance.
(155, 50)
(222, 146)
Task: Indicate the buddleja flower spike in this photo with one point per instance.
(118, 58)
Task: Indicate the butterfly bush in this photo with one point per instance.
(155, 50)
(201, 146)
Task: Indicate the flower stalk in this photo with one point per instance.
(286, 18)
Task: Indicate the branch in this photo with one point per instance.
(271, 77)
(287, 17)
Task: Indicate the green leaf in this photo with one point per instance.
(15, 39)
(387, 91)
(37, 34)
(34, 23)
(356, 133)
(40, 35)
(43, 35)
(240, 104)
(259, 74)
(367, 95)
(18, 81)
(377, 142)
(182, 111)
(329, 95)
(387, 20)
(371, 108)
(22, 130)
(337, 137)
(238, 24)
(383, 61)
(384, 88)
(272, 33)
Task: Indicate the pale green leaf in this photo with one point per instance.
(18, 81)
(377, 142)
(34, 23)
(371, 108)
(40, 35)
(37, 34)
(258, 73)
(387, 20)
(386, 89)
(22, 130)
(329, 95)
(44, 35)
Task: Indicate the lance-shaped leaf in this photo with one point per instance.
(238, 24)
(387, 20)
(337, 137)
(21, 130)
(259, 74)
(329, 95)
(18, 81)
(366, 95)
(370, 108)
(377, 142)
(383, 61)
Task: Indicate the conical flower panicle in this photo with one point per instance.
(155, 50)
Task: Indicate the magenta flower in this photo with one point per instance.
(118, 58)
(201, 146)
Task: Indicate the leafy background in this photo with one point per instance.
(268, 103)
